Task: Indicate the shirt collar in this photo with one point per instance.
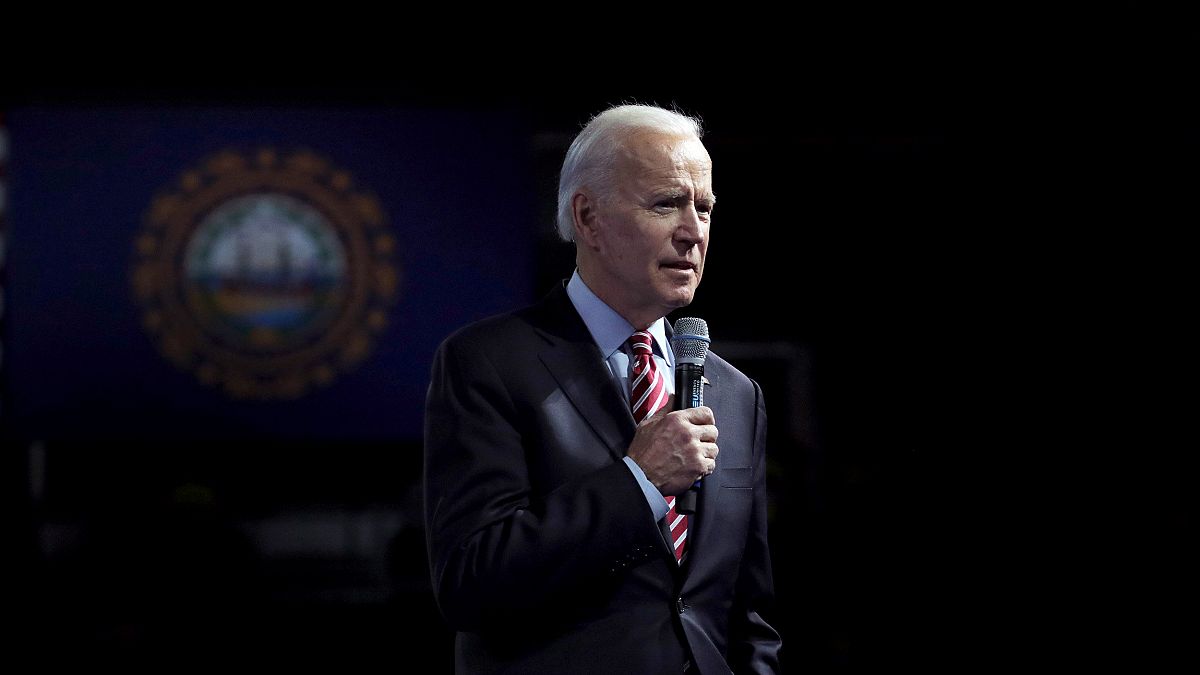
(609, 329)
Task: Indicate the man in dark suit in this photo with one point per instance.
(552, 456)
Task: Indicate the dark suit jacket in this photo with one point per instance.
(544, 553)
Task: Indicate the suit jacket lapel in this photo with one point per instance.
(575, 362)
(590, 388)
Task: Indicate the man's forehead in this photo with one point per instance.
(650, 153)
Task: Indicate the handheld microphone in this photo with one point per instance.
(690, 344)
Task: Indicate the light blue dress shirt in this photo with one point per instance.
(611, 331)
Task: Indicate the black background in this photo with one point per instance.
(973, 236)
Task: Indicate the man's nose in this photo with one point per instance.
(691, 228)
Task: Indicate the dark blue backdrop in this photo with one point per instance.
(453, 183)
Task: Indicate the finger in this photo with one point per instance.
(706, 433)
(709, 450)
(700, 415)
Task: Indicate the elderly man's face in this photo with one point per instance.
(651, 232)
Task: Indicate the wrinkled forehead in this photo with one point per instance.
(647, 153)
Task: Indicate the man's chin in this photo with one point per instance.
(680, 297)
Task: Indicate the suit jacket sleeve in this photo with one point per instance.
(501, 550)
(754, 645)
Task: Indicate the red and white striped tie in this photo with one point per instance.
(648, 393)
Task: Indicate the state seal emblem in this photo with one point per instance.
(265, 274)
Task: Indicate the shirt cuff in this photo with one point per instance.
(658, 503)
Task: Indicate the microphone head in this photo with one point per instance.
(690, 341)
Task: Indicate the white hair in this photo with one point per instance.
(590, 159)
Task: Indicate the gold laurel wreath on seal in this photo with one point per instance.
(243, 372)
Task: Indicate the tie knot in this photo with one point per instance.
(640, 342)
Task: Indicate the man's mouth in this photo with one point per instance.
(679, 265)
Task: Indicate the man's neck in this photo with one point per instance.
(640, 319)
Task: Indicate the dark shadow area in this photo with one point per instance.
(954, 284)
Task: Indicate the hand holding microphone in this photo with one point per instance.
(677, 446)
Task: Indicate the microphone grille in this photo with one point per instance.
(690, 341)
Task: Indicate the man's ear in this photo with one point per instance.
(583, 212)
